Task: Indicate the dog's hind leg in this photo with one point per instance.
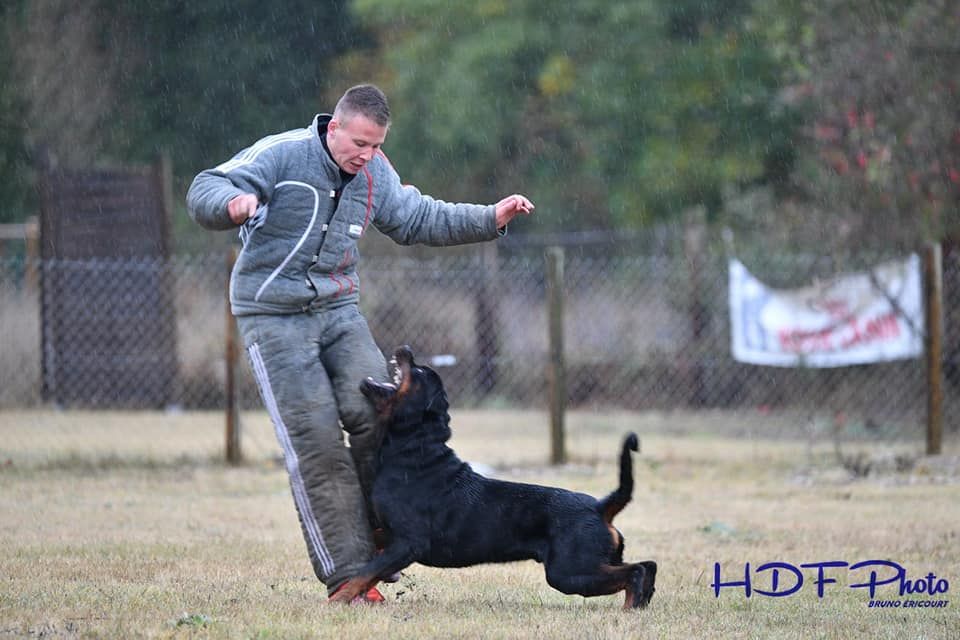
(641, 586)
(636, 579)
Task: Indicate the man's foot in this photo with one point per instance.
(372, 596)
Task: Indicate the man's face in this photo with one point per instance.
(354, 142)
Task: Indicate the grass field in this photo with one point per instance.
(124, 525)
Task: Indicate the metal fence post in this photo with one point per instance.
(234, 453)
(933, 345)
(556, 375)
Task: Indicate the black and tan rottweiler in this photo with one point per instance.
(437, 511)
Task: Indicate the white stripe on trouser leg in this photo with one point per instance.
(293, 464)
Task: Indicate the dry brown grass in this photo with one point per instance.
(118, 534)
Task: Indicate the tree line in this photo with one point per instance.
(827, 124)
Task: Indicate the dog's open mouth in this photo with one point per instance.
(401, 363)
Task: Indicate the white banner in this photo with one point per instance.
(850, 319)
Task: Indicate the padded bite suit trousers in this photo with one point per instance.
(308, 367)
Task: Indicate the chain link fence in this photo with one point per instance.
(642, 333)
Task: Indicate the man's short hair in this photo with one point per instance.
(366, 100)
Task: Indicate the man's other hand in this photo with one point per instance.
(242, 207)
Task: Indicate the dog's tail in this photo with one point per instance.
(616, 501)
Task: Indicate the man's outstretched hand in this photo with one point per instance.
(510, 207)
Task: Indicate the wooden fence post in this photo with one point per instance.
(488, 347)
(556, 375)
(31, 235)
(933, 345)
(233, 450)
(694, 248)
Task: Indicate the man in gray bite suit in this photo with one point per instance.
(303, 199)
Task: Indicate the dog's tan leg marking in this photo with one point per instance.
(614, 534)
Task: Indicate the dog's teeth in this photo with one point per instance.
(397, 377)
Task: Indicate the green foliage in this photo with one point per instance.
(205, 79)
(879, 81)
(16, 191)
(606, 113)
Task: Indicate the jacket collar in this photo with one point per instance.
(319, 128)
